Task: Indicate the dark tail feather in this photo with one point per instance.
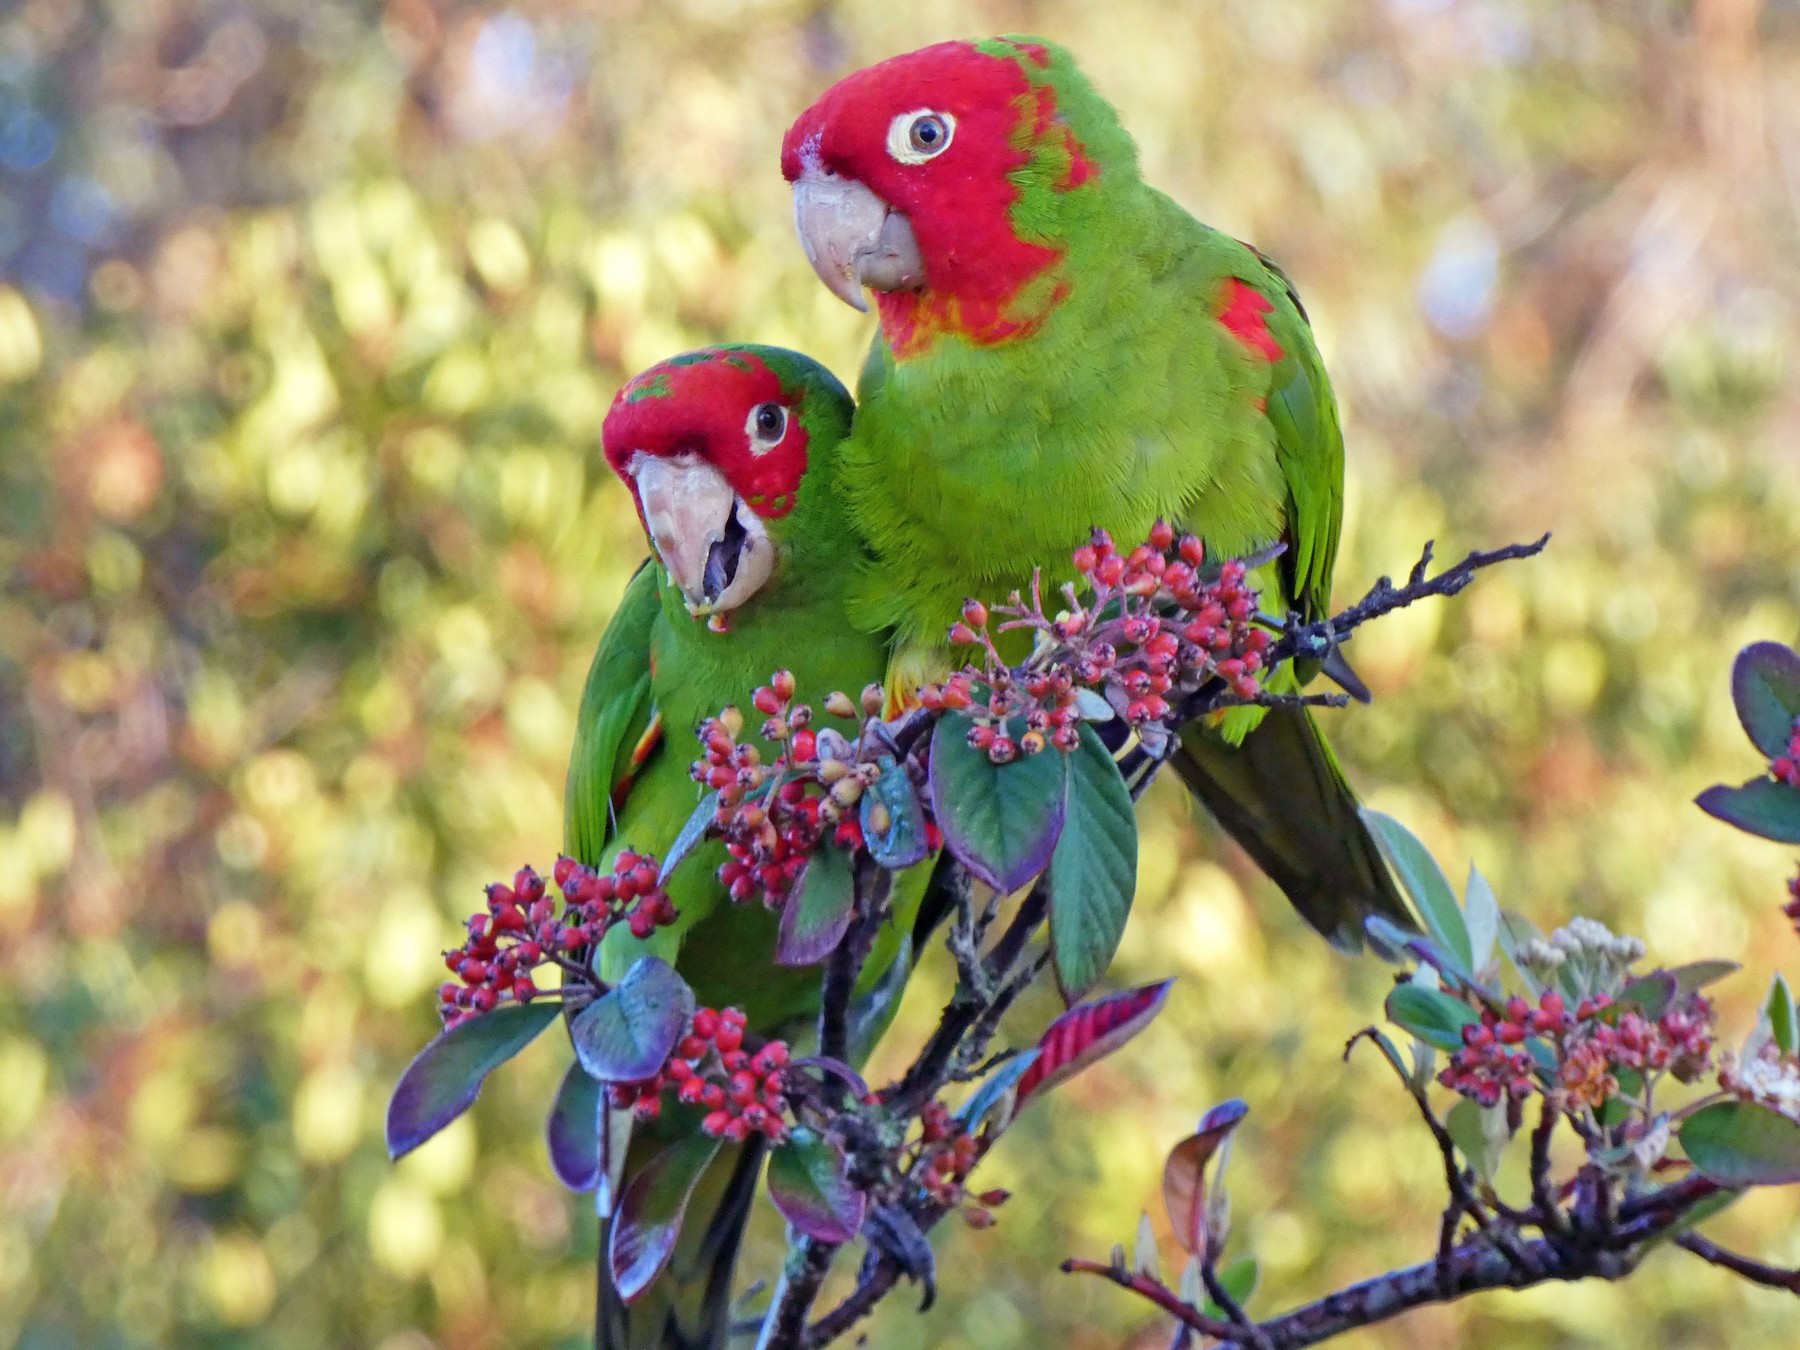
(1282, 796)
(688, 1306)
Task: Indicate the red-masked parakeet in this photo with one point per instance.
(730, 454)
(1061, 347)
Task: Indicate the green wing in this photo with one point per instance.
(1309, 446)
(617, 713)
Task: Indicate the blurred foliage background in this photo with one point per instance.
(309, 313)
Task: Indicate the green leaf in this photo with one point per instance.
(650, 1212)
(691, 833)
(1782, 1022)
(442, 1081)
(892, 820)
(809, 1183)
(1481, 916)
(1481, 1133)
(1516, 933)
(1239, 1279)
(1000, 820)
(1431, 1015)
(817, 913)
(1696, 975)
(1762, 807)
(1424, 881)
(1093, 871)
(1743, 1144)
(625, 1035)
(1765, 686)
(1652, 993)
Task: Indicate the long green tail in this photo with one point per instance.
(1282, 796)
(688, 1306)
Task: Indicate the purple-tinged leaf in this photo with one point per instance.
(625, 1035)
(1184, 1173)
(818, 911)
(1430, 1014)
(1090, 1032)
(650, 1212)
(1391, 942)
(1743, 1144)
(1696, 975)
(1765, 686)
(994, 1087)
(573, 1131)
(809, 1183)
(1762, 807)
(837, 1068)
(691, 834)
(1093, 870)
(615, 1125)
(892, 819)
(439, 1084)
(1000, 820)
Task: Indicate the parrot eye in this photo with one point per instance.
(767, 425)
(914, 137)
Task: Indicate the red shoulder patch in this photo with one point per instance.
(1242, 316)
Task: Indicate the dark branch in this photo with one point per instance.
(1756, 1272)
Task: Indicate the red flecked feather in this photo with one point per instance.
(1242, 316)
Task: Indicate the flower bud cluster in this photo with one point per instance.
(522, 929)
(945, 1156)
(1786, 768)
(740, 1092)
(1586, 951)
(1151, 627)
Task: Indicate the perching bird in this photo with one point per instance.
(730, 454)
(1061, 347)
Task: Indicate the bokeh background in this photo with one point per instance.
(309, 314)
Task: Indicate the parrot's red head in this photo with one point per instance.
(942, 180)
(713, 445)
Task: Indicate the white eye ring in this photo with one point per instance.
(906, 143)
(761, 441)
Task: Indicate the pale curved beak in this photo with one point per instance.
(715, 549)
(854, 239)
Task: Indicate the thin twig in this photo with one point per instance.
(1757, 1272)
(1161, 1296)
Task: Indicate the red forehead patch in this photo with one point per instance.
(701, 404)
(960, 202)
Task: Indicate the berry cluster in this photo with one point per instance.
(1592, 1046)
(772, 815)
(1786, 768)
(741, 1092)
(521, 930)
(1792, 907)
(1153, 626)
(1493, 1061)
(946, 1154)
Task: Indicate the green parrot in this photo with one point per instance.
(1062, 346)
(730, 455)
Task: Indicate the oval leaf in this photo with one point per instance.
(1763, 807)
(651, 1210)
(573, 1131)
(1091, 1032)
(892, 820)
(1431, 1015)
(1743, 1144)
(691, 833)
(1424, 881)
(1481, 916)
(626, 1034)
(1093, 871)
(1780, 1012)
(816, 915)
(1765, 686)
(1184, 1174)
(1000, 820)
(438, 1086)
(1696, 975)
(809, 1183)
(1652, 993)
